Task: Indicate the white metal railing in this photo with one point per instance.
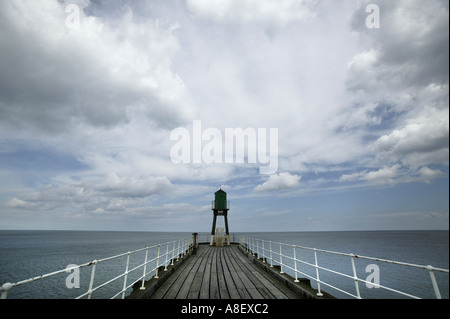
(269, 250)
(165, 254)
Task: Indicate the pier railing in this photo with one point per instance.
(156, 257)
(286, 256)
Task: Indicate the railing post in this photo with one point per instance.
(295, 265)
(91, 281)
(145, 270)
(182, 248)
(173, 253)
(178, 249)
(5, 288)
(355, 277)
(281, 261)
(263, 252)
(319, 293)
(157, 261)
(271, 259)
(257, 249)
(167, 256)
(126, 276)
(434, 282)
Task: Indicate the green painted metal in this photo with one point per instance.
(220, 201)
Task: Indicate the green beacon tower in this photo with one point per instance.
(220, 207)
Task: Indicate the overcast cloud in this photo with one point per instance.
(86, 112)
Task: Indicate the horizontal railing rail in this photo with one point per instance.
(165, 254)
(270, 252)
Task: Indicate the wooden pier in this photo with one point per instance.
(223, 273)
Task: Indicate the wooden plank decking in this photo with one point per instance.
(221, 273)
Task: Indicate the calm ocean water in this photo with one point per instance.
(25, 254)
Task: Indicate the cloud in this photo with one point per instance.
(251, 11)
(405, 62)
(427, 175)
(383, 176)
(424, 140)
(89, 110)
(409, 35)
(113, 193)
(395, 174)
(279, 182)
(398, 86)
(131, 186)
(56, 79)
(405, 59)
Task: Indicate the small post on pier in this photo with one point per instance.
(195, 240)
(194, 243)
(220, 207)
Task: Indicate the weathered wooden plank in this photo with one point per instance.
(244, 276)
(195, 288)
(221, 272)
(243, 266)
(214, 280)
(161, 292)
(265, 283)
(224, 294)
(183, 279)
(259, 291)
(231, 286)
(204, 290)
(188, 284)
(194, 291)
(240, 286)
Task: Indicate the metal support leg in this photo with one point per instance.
(213, 231)
(226, 229)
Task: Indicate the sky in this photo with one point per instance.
(93, 94)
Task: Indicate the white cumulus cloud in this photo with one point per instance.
(279, 182)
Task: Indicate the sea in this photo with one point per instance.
(25, 254)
